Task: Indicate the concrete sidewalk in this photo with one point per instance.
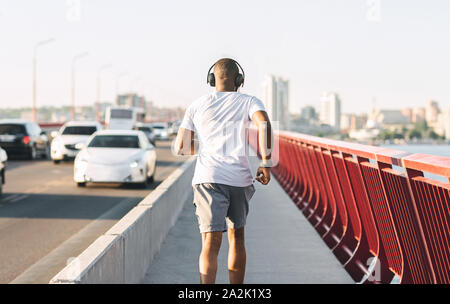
(282, 246)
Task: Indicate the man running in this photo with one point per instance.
(222, 181)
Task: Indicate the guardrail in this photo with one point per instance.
(373, 207)
(125, 252)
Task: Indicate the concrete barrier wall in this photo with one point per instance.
(125, 252)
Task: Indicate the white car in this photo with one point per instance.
(71, 137)
(3, 159)
(116, 156)
(161, 130)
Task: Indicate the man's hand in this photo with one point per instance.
(263, 175)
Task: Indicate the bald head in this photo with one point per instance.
(225, 71)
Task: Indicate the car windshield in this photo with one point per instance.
(12, 129)
(79, 130)
(121, 114)
(115, 141)
(158, 127)
(144, 129)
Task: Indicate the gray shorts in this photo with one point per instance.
(220, 206)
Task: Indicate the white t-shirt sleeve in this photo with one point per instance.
(255, 105)
(188, 120)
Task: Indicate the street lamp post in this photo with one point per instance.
(39, 44)
(74, 60)
(99, 72)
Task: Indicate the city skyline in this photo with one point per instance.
(398, 57)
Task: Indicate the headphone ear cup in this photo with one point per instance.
(212, 79)
(239, 80)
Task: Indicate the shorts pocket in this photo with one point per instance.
(249, 192)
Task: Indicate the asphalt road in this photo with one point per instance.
(45, 220)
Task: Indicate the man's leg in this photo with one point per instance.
(236, 255)
(211, 242)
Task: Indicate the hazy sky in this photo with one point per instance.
(398, 53)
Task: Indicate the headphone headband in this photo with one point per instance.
(240, 78)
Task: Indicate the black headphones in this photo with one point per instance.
(239, 81)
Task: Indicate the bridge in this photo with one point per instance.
(336, 212)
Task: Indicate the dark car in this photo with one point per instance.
(23, 139)
(148, 132)
(3, 159)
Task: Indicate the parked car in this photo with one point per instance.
(116, 156)
(3, 159)
(71, 137)
(148, 130)
(23, 138)
(174, 126)
(161, 130)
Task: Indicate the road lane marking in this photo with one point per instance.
(9, 197)
(21, 197)
(47, 267)
(47, 186)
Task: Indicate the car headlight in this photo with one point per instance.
(134, 164)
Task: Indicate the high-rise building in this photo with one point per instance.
(346, 121)
(351, 122)
(308, 113)
(407, 112)
(330, 110)
(431, 111)
(359, 121)
(418, 114)
(442, 126)
(446, 123)
(276, 100)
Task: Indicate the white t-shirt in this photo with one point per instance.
(221, 121)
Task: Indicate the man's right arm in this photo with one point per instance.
(185, 144)
(262, 122)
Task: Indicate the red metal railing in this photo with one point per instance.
(384, 223)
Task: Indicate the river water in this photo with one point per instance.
(440, 150)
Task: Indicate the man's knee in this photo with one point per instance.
(212, 240)
(236, 235)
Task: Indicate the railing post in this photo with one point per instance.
(410, 174)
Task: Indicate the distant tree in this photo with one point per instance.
(318, 134)
(414, 133)
(404, 131)
(385, 135)
(421, 126)
(398, 135)
(433, 135)
(345, 135)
